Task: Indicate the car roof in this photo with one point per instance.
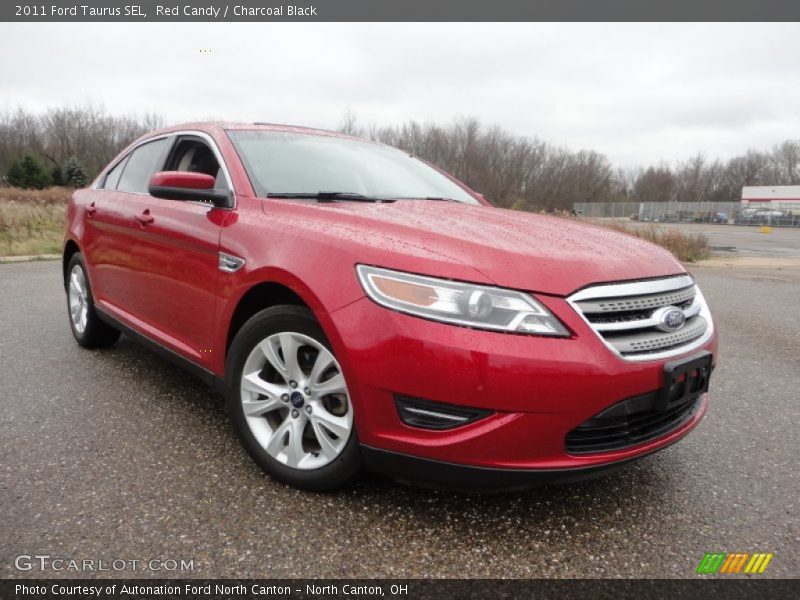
(220, 126)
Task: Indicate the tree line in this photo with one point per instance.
(527, 173)
(69, 146)
(65, 145)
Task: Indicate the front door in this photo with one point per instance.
(174, 249)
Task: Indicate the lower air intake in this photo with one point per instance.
(628, 423)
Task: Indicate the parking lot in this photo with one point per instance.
(117, 454)
(729, 241)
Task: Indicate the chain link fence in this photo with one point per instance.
(732, 213)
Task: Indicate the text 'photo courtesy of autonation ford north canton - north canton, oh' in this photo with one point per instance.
(355, 299)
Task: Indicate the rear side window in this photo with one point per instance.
(143, 162)
(112, 179)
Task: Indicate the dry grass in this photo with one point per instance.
(687, 248)
(32, 221)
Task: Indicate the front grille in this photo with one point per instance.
(615, 305)
(628, 423)
(626, 316)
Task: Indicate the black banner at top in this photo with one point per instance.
(399, 10)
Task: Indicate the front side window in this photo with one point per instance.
(300, 163)
(143, 162)
(195, 156)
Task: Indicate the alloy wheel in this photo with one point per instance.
(78, 299)
(295, 400)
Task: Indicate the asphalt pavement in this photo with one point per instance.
(118, 455)
(740, 240)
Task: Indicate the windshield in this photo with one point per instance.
(299, 163)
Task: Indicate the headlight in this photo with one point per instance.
(460, 303)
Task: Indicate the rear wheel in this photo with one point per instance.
(288, 400)
(88, 329)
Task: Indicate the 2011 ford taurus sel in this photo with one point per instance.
(360, 308)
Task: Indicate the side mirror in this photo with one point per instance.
(183, 185)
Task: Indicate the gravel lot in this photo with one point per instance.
(118, 454)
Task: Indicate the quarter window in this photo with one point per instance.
(143, 162)
(112, 178)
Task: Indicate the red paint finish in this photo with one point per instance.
(160, 276)
(541, 388)
(183, 179)
(173, 274)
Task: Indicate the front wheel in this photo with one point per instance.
(288, 400)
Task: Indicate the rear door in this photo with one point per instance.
(104, 224)
(121, 279)
(174, 248)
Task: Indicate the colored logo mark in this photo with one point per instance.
(734, 562)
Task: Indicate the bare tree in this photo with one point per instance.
(511, 170)
(786, 163)
(87, 132)
(348, 124)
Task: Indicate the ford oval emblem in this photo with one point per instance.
(670, 318)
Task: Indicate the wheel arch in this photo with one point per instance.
(70, 249)
(271, 286)
(255, 299)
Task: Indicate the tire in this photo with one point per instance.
(86, 326)
(294, 417)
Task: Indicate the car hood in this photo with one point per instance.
(509, 248)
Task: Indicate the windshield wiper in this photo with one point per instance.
(328, 196)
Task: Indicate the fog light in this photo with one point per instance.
(425, 414)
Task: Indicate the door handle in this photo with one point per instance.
(145, 218)
(91, 209)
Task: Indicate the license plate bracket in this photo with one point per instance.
(685, 380)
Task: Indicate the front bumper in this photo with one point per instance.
(471, 479)
(538, 388)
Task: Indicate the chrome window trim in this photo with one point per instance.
(641, 288)
(173, 134)
(103, 174)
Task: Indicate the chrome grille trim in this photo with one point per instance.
(622, 316)
(637, 302)
(691, 311)
(649, 342)
(652, 286)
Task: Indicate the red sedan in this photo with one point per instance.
(360, 308)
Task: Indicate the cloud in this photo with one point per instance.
(636, 92)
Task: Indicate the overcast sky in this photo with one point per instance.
(638, 93)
